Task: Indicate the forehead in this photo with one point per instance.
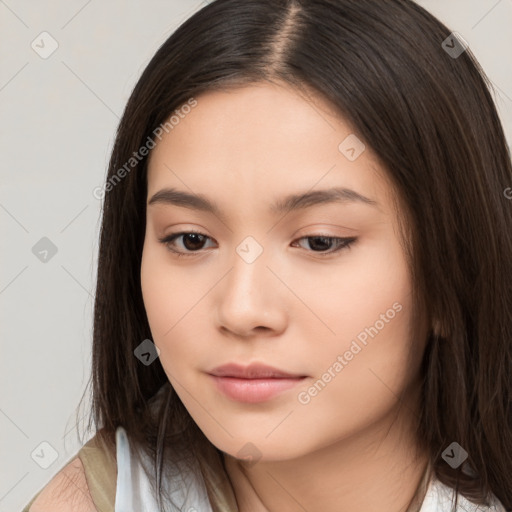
(261, 140)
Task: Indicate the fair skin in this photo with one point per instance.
(66, 491)
(351, 446)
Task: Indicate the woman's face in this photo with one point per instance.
(263, 284)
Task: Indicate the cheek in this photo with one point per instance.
(164, 291)
(345, 396)
(171, 304)
(367, 308)
(368, 360)
(352, 294)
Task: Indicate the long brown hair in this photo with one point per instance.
(428, 115)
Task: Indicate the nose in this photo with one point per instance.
(251, 300)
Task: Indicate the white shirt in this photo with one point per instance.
(133, 490)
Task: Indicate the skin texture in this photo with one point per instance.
(66, 491)
(351, 447)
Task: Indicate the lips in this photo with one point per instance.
(253, 371)
(254, 383)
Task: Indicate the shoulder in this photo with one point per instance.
(66, 491)
(86, 484)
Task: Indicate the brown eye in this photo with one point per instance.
(192, 242)
(322, 244)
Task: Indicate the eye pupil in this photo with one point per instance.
(322, 246)
(193, 236)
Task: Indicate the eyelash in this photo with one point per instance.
(343, 243)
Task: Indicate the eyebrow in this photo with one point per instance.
(292, 202)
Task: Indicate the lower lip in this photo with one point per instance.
(254, 390)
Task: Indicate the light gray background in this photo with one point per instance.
(58, 119)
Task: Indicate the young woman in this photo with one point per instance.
(303, 298)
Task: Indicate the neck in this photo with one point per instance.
(376, 469)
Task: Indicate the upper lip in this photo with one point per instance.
(253, 371)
